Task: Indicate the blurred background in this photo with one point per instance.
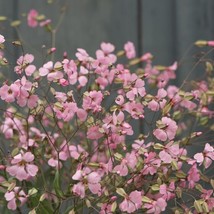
(165, 28)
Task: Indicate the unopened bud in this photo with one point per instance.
(201, 43)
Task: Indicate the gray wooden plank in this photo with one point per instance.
(193, 22)
(86, 24)
(171, 27)
(158, 30)
(8, 9)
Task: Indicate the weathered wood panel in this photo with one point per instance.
(171, 27)
(85, 23)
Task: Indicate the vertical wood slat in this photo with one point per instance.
(193, 21)
(158, 30)
(170, 27)
(86, 24)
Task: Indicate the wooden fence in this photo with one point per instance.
(164, 27)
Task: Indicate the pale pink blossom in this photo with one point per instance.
(70, 69)
(2, 39)
(82, 55)
(9, 93)
(193, 176)
(207, 195)
(167, 191)
(24, 64)
(151, 163)
(169, 153)
(92, 101)
(105, 55)
(129, 161)
(93, 133)
(167, 131)
(206, 157)
(66, 111)
(134, 109)
(132, 202)
(130, 50)
(16, 194)
(155, 207)
(210, 43)
(146, 57)
(158, 101)
(87, 179)
(31, 18)
(45, 23)
(10, 126)
(136, 87)
(52, 71)
(22, 166)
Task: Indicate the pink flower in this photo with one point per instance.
(31, 18)
(156, 207)
(167, 130)
(94, 133)
(130, 50)
(24, 64)
(11, 125)
(169, 153)
(135, 109)
(14, 195)
(82, 55)
(193, 176)
(207, 196)
(151, 164)
(9, 93)
(206, 157)
(52, 71)
(2, 40)
(129, 161)
(136, 86)
(167, 191)
(70, 69)
(45, 23)
(24, 96)
(66, 111)
(132, 202)
(87, 179)
(210, 43)
(22, 167)
(92, 101)
(105, 55)
(158, 101)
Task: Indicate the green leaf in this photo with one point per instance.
(32, 191)
(56, 184)
(45, 208)
(121, 191)
(114, 206)
(146, 199)
(205, 207)
(198, 207)
(174, 165)
(158, 146)
(12, 186)
(155, 187)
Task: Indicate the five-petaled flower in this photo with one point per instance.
(16, 194)
(166, 130)
(23, 167)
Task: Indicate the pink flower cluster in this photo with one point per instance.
(70, 129)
